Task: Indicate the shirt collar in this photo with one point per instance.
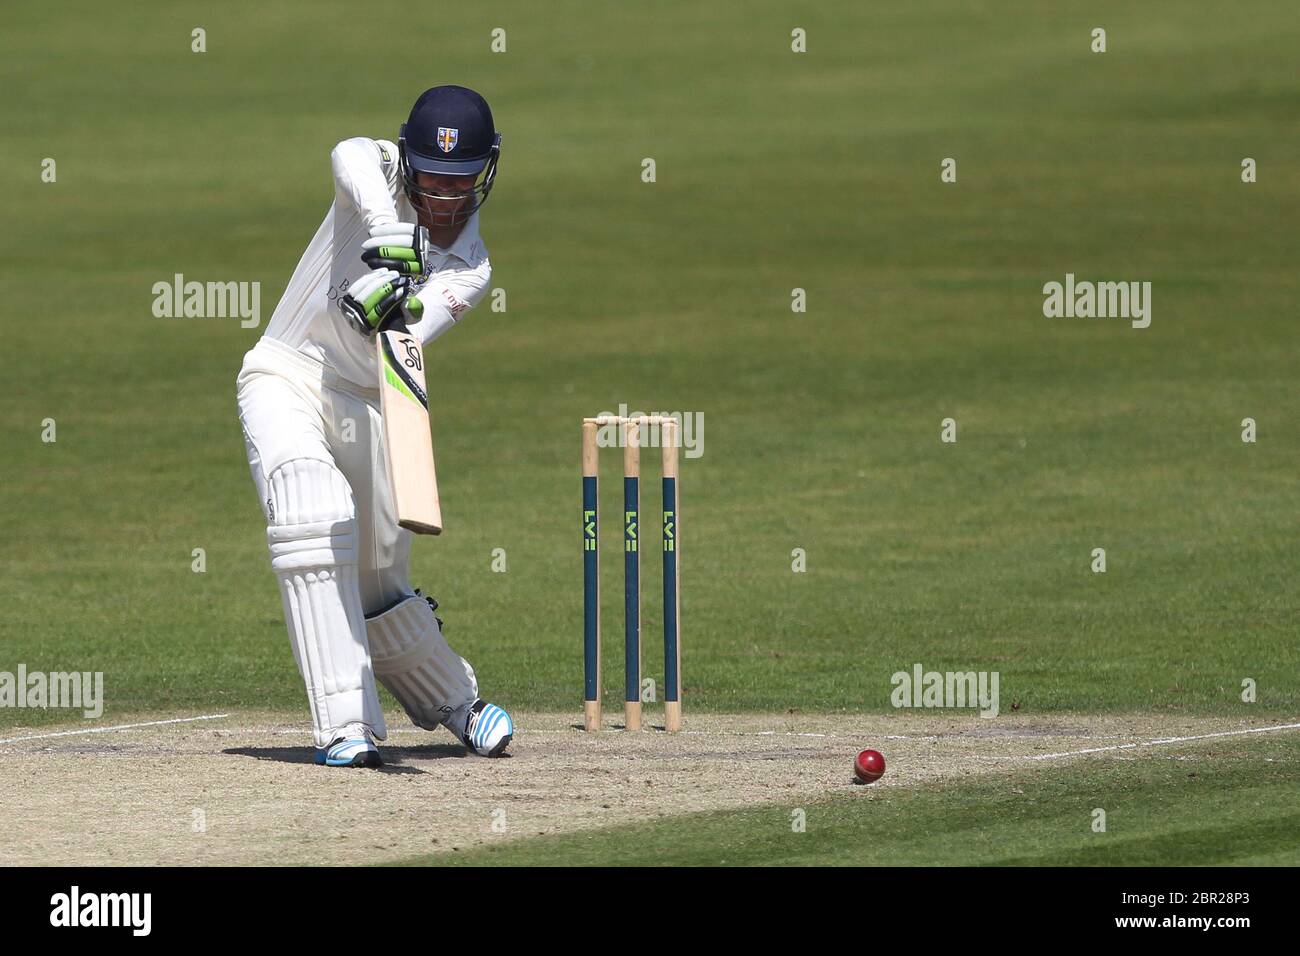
(468, 246)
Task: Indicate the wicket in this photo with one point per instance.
(669, 442)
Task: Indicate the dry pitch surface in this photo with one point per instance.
(241, 789)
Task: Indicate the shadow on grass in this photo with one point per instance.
(1193, 846)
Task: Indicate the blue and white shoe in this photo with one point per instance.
(484, 728)
(352, 748)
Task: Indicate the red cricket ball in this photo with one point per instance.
(869, 766)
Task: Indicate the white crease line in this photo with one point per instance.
(609, 731)
(106, 730)
(1164, 740)
(616, 731)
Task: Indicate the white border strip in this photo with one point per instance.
(107, 730)
(1163, 740)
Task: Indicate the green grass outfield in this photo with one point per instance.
(775, 171)
(1196, 804)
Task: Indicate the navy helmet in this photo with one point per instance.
(450, 133)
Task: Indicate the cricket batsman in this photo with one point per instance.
(400, 243)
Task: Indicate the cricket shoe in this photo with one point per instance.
(484, 728)
(351, 748)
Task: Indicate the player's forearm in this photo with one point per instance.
(448, 296)
(436, 320)
(359, 181)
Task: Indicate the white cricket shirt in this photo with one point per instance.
(367, 192)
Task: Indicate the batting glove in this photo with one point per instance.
(379, 300)
(399, 246)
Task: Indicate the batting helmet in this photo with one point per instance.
(450, 133)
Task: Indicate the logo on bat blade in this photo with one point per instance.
(447, 138)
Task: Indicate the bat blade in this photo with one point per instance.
(405, 403)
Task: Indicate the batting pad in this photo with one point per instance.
(313, 542)
(414, 662)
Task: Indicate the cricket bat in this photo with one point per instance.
(405, 404)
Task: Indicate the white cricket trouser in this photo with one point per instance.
(315, 449)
